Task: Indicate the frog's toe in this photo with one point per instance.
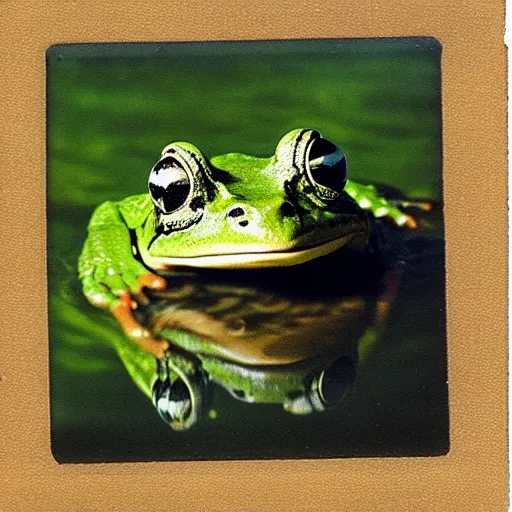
(110, 277)
(426, 206)
(153, 281)
(403, 219)
(135, 331)
(115, 284)
(395, 215)
(136, 283)
(411, 222)
(98, 294)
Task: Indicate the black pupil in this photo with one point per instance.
(332, 173)
(169, 185)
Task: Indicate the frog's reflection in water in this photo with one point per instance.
(287, 336)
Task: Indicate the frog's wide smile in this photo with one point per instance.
(259, 256)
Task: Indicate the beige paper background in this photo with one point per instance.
(473, 476)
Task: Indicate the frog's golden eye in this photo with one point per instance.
(169, 185)
(326, 166)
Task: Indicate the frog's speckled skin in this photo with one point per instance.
(237, 211)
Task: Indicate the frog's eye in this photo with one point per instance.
(178, 397)
(324, 390)
(326, 166)
(333, 383)
(169, 185)
(173, 402)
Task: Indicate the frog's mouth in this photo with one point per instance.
(257, 258)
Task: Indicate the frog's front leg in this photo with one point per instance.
(368, 198)
(112, 278)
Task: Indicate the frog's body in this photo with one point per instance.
(234, 211)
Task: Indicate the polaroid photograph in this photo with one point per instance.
(254, 256)
(246, 251)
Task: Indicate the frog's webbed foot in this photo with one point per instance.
(123, 312)
(369, 198)
(119, 290)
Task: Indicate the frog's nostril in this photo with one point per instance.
(237, 211)
(288, 210)
(238, 215)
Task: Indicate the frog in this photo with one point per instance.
(231, 211)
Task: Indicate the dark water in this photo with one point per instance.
(110, 112)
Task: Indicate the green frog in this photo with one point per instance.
(232, 211)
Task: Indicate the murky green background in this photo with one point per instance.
(110, 111)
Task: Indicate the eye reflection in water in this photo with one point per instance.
(290, 336)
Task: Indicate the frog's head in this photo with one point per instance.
(241, 211)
